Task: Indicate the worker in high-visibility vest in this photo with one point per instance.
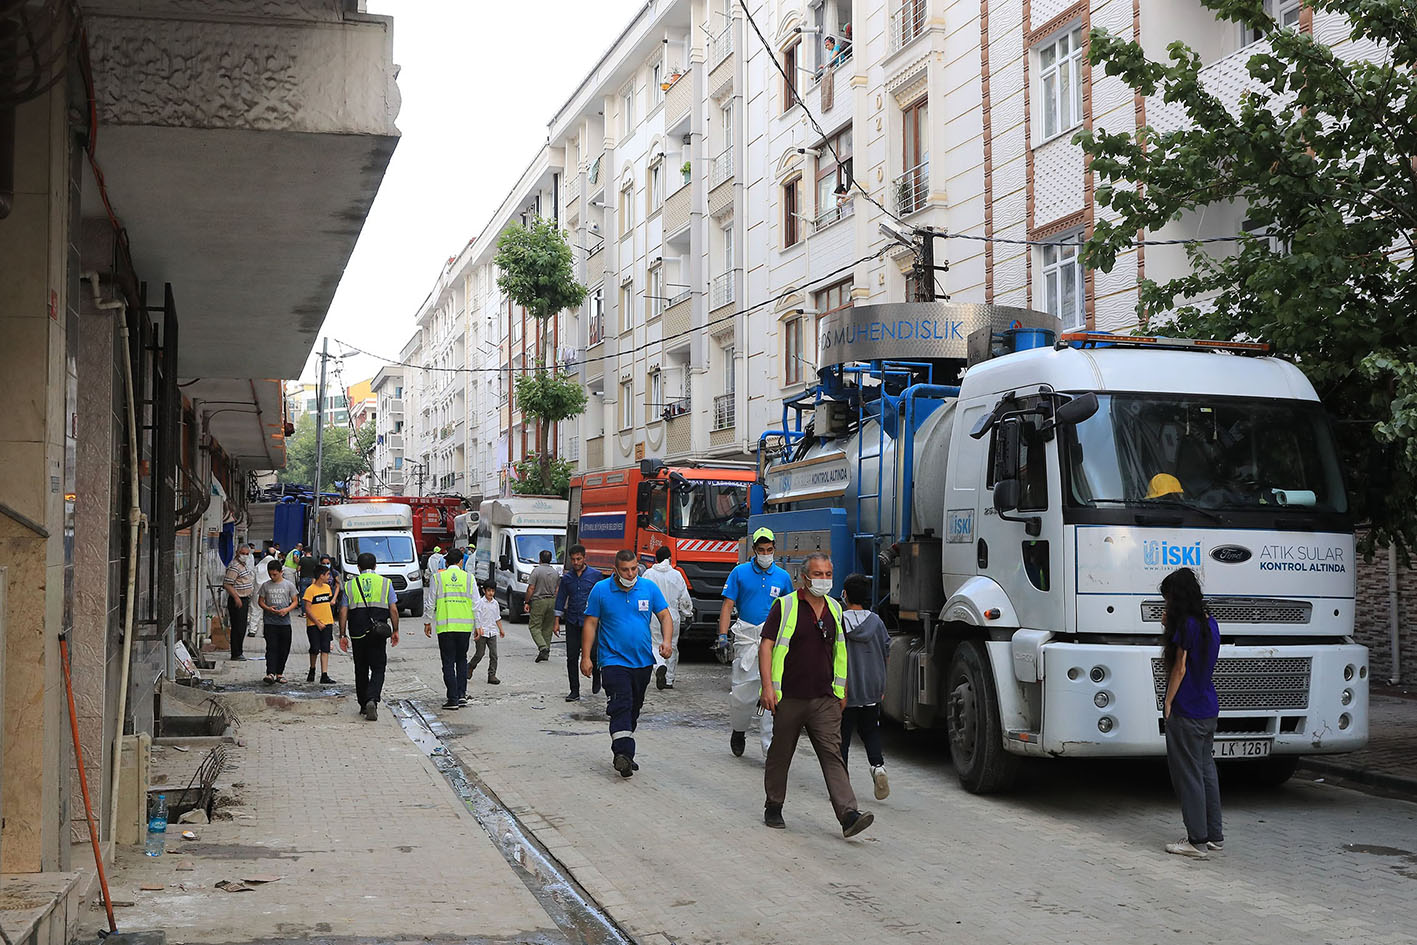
(802, 660)
(452, 597)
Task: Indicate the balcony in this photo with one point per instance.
(679, 318)
(678, 436)
(722, 291)
(572, 190)
(394, 407)
(907, 24)
(832, 214)
(678, 103)
(595, 176)
(722, 170)
(596, 329)
(824, 81)
(394, 441)
(721, 61)
(724, 411)
(594, 453)
(910, 190)
(676, 209)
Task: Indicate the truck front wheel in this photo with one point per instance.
(972, 720)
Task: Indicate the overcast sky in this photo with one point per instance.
(479, 80)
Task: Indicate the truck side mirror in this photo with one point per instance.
(642, 494)
(1077, 410)
(1006, 451)
(1005, 495)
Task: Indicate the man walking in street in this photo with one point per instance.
(488, 629)
(803, 654)
(370, 610)
(681, 608)
(618, 615)
(753, 587)
(575, 586)
(319, 600)
(436, 561)
(541, 590)
(239, 584)
(454, 611)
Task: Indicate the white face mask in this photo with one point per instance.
(820, 587)
(627, 585)
(764, 561)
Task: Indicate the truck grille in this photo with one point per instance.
(706, 578)
(1241, 610)
(398, 581)
(1245, 682)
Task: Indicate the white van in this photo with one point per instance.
(465, 531)
(511, 534)
(382, 529)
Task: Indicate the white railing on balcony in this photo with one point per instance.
(837, 211)
(724, 411)
(721, 291)
(839, 59)
(911, 188)
(681, 296)
(722, 168)
(907, 22)
(573, 187)
(721, 47)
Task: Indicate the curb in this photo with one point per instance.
(1400, 784)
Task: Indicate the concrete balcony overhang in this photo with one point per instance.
(244, 417)
(242, 150)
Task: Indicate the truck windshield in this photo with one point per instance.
(709, 510)
(529, 547)
(389, 549)
(1212, 455)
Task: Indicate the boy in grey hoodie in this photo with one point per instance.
(867, 643)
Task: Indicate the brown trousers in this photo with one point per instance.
(822, 720)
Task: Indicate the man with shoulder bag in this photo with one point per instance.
(370, 618)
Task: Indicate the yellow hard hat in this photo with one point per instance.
(1163, 484)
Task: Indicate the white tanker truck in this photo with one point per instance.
(1016, 528)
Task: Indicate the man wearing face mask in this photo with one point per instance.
(619, 612)
(681, 608)
(239, 584)
(803, 657)
(753, 587)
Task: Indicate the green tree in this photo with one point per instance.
(1319, 153)
(534, 269)
(342, 461)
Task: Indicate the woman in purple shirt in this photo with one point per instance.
(1192, 644)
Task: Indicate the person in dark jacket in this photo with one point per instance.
(1191, 709)
(867, 644)
(571, 595)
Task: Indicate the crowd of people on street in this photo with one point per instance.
(801, 660)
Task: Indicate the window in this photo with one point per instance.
(1060, 78)
(654, 402)
(789, 66)
(656, 185)
(1285, 13)
(627, 306)
(725, 118)
(627, 405)
(727, 248)
(834, 177)
(654, 293)
(1063, 285)
(833, 298)
(730, 368)
(914, 183)
(627, 111)
(656, 80)
(792, 351)
(791, 212)
(627, 208)
(596, 328)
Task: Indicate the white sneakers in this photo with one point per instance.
(883, 786)
(1186, 848)
(1212, 845)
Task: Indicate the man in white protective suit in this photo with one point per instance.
(751, 589)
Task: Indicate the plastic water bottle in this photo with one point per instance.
(157, 828)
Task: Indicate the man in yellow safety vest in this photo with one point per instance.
(452, 597)
(803, 655)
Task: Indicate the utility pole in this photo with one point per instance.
(925, 268)
(319, 448)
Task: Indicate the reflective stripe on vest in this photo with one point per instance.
(788, 626)
(454, 609)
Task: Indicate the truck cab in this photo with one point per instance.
(511, 534)
(383, 530)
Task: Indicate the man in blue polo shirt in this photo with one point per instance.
(752, 587)
(618, 612)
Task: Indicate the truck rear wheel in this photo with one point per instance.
(972, 720)
(416, 609)
(515, 602)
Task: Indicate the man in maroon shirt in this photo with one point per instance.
(807, 693)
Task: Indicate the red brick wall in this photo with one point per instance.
(1371, 623)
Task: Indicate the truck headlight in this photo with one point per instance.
(414, 575)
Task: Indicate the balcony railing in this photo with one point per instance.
(724, 411)
(721, 47)
(721, 292)
(837, 211)
(911, 189)
(573, 187)
(677, 408)
(838, 60)
(722, 168)
(907, 23)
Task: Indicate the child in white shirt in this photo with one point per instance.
(487, 620)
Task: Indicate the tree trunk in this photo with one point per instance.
(543, 427)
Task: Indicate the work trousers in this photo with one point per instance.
(866, 721)
(277, 647)
(745, 684)
(543, 615)
(573, 632)
(1189, 744)
(485, 644)
(625, 686)
(371, 656)
(672, 663)
(821, 718)
(452, 647)
(239, 611)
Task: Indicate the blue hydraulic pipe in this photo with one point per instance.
(933, 391)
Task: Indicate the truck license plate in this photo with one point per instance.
(1241, 748)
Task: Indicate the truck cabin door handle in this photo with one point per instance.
(981, 553)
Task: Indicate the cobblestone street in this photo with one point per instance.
(678, 852)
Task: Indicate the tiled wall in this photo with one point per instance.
(1371, 626)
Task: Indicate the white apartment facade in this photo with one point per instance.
(442, 395)
(386, 474)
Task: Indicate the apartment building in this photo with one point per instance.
(302, 401)
(386, 472)
(442, 402)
